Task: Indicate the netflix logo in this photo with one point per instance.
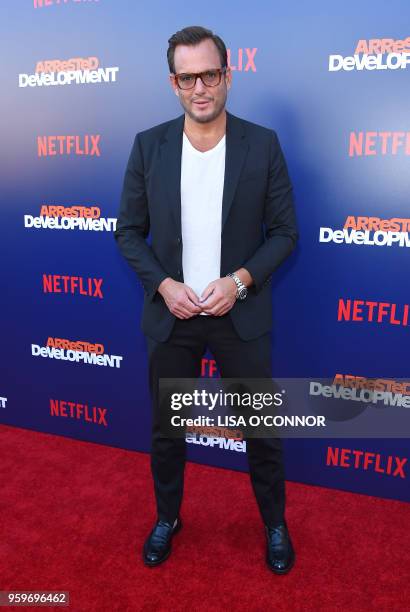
(56, 283)
(242, 59)
(74, 410)
(38, 4)
(88, 144)
(379, 143)
(363, 460)
(373, 312)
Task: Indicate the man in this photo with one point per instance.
(204, 185)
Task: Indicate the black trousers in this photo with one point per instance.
(180, 357)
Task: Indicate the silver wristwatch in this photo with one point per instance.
(241, 290)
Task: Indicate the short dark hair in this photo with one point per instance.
(193, 35)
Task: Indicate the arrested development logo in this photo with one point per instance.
(73, 71)
(350, 458)
(74, 410)
(379, 313)
(78, 351)
(214, 441)
(369, 231)
(374, 54)
(58, 217)
(79, 285)
(86, 144)
(377, 391)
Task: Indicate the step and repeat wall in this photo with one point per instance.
(80, 79)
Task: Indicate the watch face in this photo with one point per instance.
(243, 293)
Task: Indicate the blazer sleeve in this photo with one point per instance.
(281, 233)
(133, 225)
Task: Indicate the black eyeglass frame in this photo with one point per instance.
(197, 75)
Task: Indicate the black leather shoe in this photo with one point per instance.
(157, 546)
(280, 555)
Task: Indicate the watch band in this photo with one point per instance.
(241, 290)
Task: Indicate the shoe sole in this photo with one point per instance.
(155, 563)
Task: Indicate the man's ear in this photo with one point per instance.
(228, 77)
(174, 87)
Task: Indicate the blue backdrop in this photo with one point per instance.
(330, 124)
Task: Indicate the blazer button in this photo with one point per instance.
(179, 240)
(179, 272)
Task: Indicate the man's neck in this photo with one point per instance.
(205, 136)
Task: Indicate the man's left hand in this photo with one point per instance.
(219, 296)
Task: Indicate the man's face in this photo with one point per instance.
(203, 104)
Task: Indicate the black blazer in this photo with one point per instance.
(258, 220)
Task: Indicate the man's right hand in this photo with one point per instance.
(181, 300)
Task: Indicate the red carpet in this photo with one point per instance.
(74, 516)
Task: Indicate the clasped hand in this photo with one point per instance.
(217, 298)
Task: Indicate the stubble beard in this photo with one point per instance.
(207, 118)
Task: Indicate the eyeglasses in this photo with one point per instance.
(210, 78)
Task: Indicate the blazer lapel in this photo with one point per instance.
(236, 150)
(170, 154)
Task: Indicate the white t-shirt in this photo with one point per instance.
(202, 183)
